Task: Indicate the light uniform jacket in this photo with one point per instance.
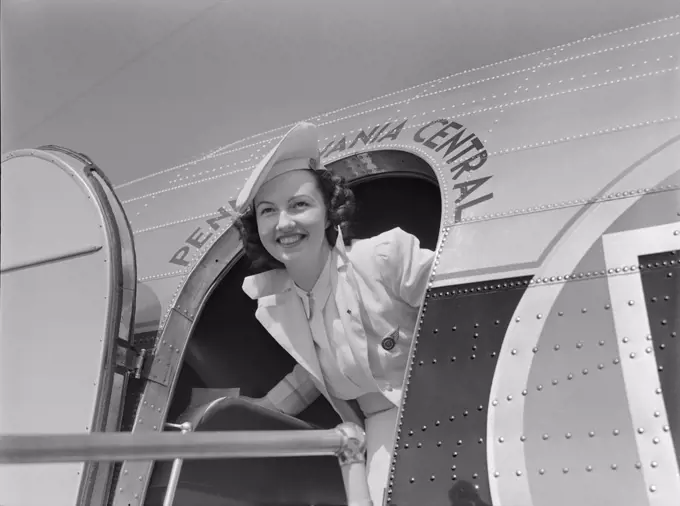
(378, 284)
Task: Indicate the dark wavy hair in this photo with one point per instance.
(340, 205)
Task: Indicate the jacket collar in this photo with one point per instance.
(277, 281)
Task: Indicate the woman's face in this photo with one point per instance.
(292, 217)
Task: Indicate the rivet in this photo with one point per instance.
(591, 433)
(666, 428)
(568, 435)
(631, 302)
(616, 432)
(561, 313)
(657, 414)
(656, 440)
(539, 316)
(496, 474)
(589, 468)
(614, 467)
(632, 355)
(654, 464)
(514, 352)
(641, 430)
(541, 471)
(557, 347)
(625, 339)
(522, 438)
(601, 343)
(570, 376)
(545, 436)
(579, 345)
(585, 371)
(652, 488)
(518, 472)
(565, 470)
(509, 397)
(658, 391)
(638, 465)
(524, 392)
(501, 439)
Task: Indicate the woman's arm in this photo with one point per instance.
(292, 394)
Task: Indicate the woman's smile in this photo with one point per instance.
(291, 240)
(292, 220)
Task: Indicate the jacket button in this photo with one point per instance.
(388, 343)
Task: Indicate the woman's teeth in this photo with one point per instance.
(290, 239)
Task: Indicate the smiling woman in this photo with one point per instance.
(344, 309)
(230, 349)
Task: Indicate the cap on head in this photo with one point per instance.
(298, 149)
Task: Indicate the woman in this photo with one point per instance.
(345, 309)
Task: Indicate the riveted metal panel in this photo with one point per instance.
(578, 437)
(661, 285)
(440, 456)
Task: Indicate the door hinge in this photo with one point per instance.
(130, 360)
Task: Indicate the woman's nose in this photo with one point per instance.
(285, 221)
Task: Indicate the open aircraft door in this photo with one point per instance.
(67, 298)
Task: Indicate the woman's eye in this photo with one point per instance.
(265, 210)
(301, 204)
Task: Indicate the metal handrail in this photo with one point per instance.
(347, 442)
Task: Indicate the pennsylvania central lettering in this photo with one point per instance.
(462, 151)
(437, 135)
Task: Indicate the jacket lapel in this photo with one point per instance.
(347, 299)
(280, 311)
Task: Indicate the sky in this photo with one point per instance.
(144, 85)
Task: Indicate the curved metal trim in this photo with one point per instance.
(107, 475)
(104, 385)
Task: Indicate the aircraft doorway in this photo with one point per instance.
(230, 349)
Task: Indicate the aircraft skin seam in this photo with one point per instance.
(565, 204)
(409, 100)
(439, 80)
(217, 152)
(179, 177)
(514, 212)
(536, 98)
(465, 114)
(623, 270)
(368, 111)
